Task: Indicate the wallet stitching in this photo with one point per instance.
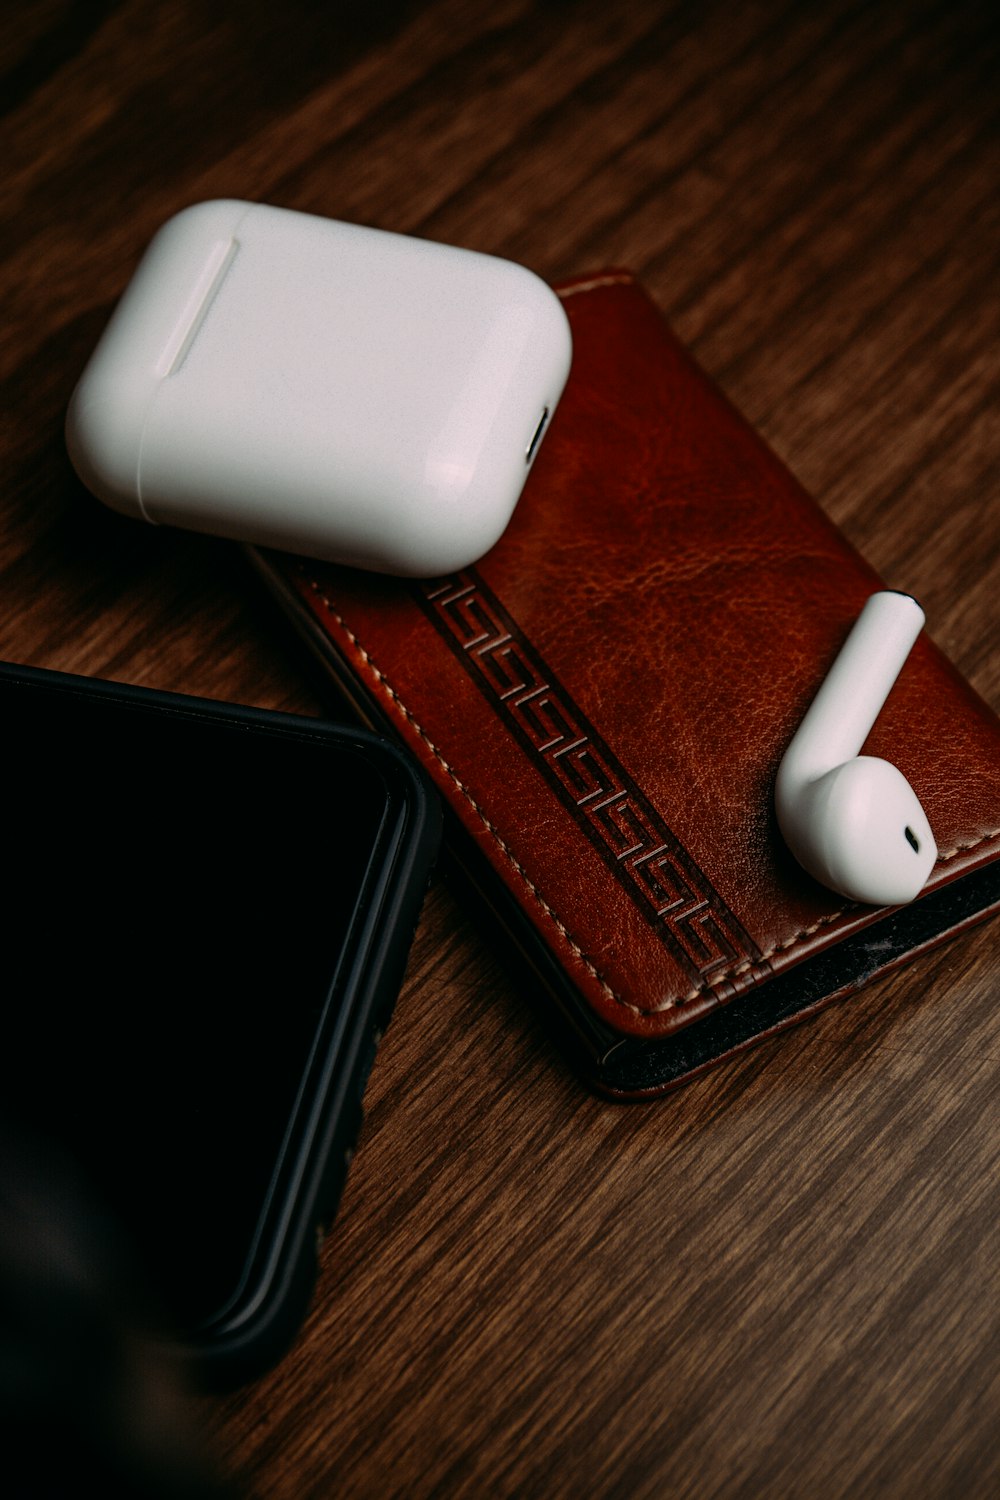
(615, 278)
(983, 838)
(490, 828)
(789, 943)
(673, 1002)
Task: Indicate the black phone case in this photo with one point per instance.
(261, 1318)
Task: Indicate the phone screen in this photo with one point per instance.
(187, 896)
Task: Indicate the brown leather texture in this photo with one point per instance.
(604, 699)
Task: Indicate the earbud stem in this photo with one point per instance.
(854, 691)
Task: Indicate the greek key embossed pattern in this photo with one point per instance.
(633, 840)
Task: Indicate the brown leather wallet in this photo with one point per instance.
(603, 701)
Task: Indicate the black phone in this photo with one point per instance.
(209, 912)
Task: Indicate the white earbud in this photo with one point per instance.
(852, 821)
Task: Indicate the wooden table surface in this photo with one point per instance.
(784, 1279)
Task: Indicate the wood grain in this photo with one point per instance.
(784, 1280)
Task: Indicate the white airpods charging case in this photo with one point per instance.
(319, 387)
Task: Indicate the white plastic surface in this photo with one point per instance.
(853, 821)
(319, 387)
